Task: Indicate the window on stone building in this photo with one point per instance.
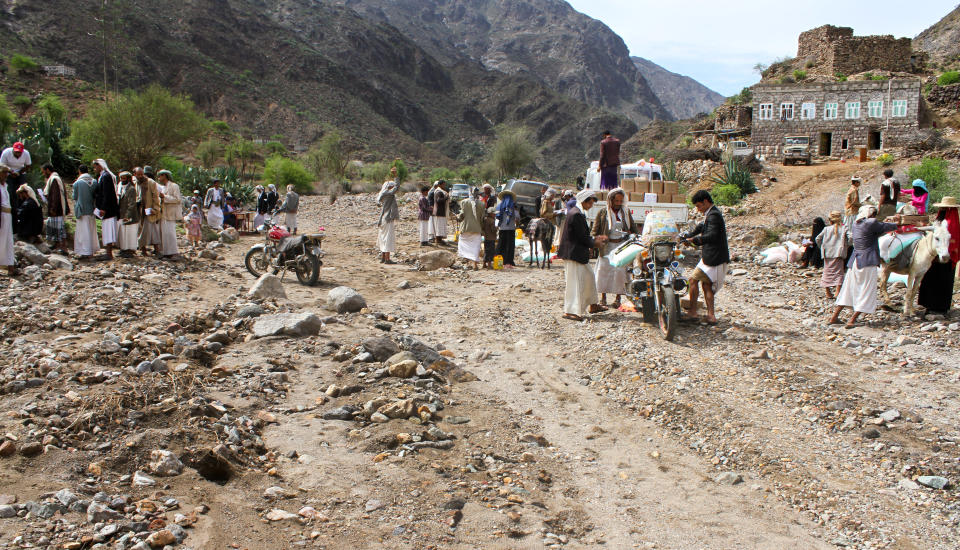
(829, 111)
(875, 109)
(766, 111)
(786, 111)
(899, 108)
(852, 109)
(808, 111)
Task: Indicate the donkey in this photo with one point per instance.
(540, 231)
(935, 244)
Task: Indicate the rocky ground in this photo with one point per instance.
(150, 404)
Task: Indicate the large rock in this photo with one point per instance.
(31, 253)
(344, 299)
(165, 463)
(229, 235)
(267, 286)
(436, 259)
(287, 324)
(381, 348)
(60, 262)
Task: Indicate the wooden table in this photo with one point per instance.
(245, 221)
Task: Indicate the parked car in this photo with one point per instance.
(740, 149)
(796, 149)
(528, 193)
(459, 191)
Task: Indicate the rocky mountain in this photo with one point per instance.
(681, 95)
(301, 68)
(942, 40)
(545, 40)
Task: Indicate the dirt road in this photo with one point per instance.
(766, 431)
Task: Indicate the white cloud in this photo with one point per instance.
(718, 43)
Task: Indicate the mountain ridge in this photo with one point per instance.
(683, 96)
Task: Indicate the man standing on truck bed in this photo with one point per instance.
(609, 161)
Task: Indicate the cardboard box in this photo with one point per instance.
(652, 198)
(671, 187)
(641, 186)
(656, 187)
(635, 197)
(627, 185)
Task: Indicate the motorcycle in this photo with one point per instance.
(281, 252)
(657, 283)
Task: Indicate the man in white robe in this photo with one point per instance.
(106, 206)
(213, 202)
(7, 257)
(85, 241)
(172, 211)
(129, 216)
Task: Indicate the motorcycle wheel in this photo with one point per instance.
(668, 313)
(308, 269)
(256, 261)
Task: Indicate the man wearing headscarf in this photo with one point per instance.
(859, 290)
(489, 198)
(18, 161)
(472, 212)
(508, 215)
(615, 222)
(105, 202)
(889, 195)
(29, 214)
(424, 211)
(85, 241)
(7, 256)
(262, 207)
(833, 244)
(273, 197)
(172, 210)
(289, 208)
(213, 202)
(128, 215)
(57, 208)
(150, 212)
(389, 214)
(609, 161)
(580, 296)
(440, 200)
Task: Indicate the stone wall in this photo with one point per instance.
(817, 44)
(767, 135)
(945, 96)
(867, 53)
(732, 117)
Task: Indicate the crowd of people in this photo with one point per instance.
(134, 210)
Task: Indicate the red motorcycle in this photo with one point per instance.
(282, 251)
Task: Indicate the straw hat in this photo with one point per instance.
(506, 192)
(947, 202)
(836, 216)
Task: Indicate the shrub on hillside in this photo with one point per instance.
(737, 175)
(885, 159)
(948, 78)
(726, 195)
(52, 108)
(282, 172)
(23, 64)
(799, 75)
(932, 170)
(840, 77)
(442, 173)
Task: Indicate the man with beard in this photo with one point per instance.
(172, 211)
(105, 201)
(129, 215)
(150, 211)
(85, 242)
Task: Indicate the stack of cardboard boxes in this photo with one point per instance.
(665, 191)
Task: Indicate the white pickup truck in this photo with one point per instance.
(641, 170)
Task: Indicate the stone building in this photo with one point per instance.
(838, 117)
(832, 50)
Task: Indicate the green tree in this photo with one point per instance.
(241, 153)
(282, 172)
(7, 118)
(137, 127)
(52, 108)
(375, 172)
(329, 158)
(23, 103)
(275, 147)
(23, 64)
(442, 173)
(465, 174)
(208, 152)
(934, 171)
(486, 172)
(512, 152)
(402, 172)
(221, 127)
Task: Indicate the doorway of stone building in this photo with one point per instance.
(826, 144)
(874, 140)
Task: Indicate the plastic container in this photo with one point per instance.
(658, 226)
(624, 254)
(519, 234)
(498, 262)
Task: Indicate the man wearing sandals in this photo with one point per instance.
(574, 248)
(711, 234)
(859, 290)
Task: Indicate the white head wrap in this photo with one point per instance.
(103, 164)
(611, 216)
(584, 195)
(866, 211)
(387, 185)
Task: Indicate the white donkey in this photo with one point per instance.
(934, 244)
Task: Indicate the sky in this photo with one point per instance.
(719, 42)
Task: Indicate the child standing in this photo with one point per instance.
(193, 221)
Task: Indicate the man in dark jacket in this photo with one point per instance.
(609, 161)
(574, 248)
(711, 234)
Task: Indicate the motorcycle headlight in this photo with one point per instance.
(638, 271)
(663, 252)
